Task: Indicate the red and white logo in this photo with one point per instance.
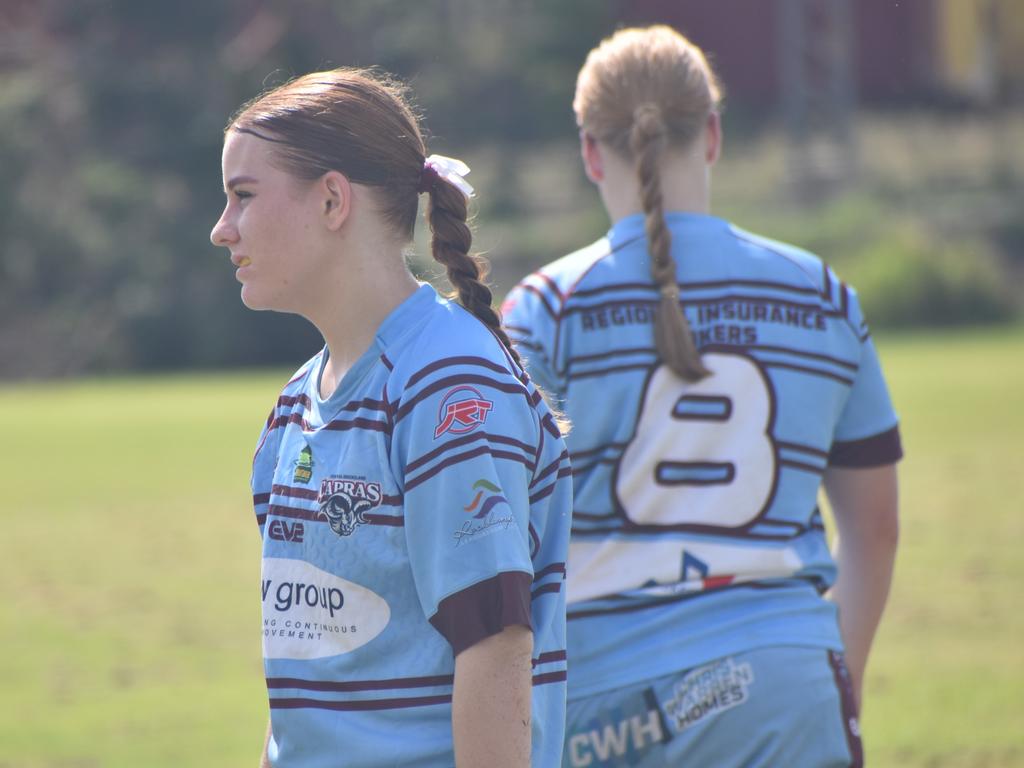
(462, 410)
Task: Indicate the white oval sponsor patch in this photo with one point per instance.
(309, 613)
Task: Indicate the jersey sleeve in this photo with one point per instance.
(529, 314)
(264, 463)
(463, 452)
(867, 433)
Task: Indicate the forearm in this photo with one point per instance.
(864, 503)
(264, 759)
(861, 592)
(491, 701)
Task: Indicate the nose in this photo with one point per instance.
(224, 232)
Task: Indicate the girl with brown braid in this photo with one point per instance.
(715, 381)
(411, 487)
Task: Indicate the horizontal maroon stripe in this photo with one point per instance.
(463, 379)
(690, 302)
(633, 605)
(563, 456)
(287, 401)
(367, 403)
(577, 455)
(812, 371)
(483, 450)
(548, 570)
(314, 516)
(296, 493)
(261, 518)
(295, 513)
(549, 489)
(359, 685)
(874, 451)
(743, 532)
(360, 706)
(371, 424)
(550, 677)
(544, 589)
(465, 440)
(394, 521)
(447, 362)
(550, 656)
(801, 466)
(309, 494)
(701, 285)
(261, 498)
(629, 351)
(802, 448)
(853, 366)
(613, 369)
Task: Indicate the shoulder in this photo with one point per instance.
(448, 347)
(783, 261)
(551, 286)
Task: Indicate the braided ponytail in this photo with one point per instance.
(647, 141)
(450, 241)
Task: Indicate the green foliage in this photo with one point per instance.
(131, 608)
(111, 117)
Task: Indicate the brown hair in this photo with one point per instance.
(359, 122)
(641, 91)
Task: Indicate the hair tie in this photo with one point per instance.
(448, 169)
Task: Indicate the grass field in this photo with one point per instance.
(129, 610)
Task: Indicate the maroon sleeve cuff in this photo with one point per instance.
(484, 609)
(874, 451)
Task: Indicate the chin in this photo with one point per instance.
(252, 300)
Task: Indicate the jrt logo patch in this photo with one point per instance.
(462, 410)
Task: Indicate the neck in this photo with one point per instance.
(685, 185)
(354, 303)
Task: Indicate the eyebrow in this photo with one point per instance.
(239, 180)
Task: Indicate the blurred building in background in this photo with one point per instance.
(945, 51)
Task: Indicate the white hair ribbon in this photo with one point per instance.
(451, 170)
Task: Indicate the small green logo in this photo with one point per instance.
(304, 466)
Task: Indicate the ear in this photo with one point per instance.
(713, 138)
(593, 161)
(335, 198)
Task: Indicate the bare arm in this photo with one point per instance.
(491, 701)
(864, 503)
(264, 760)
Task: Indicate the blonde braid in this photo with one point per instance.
(672, 337)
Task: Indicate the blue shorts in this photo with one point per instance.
(771, 707)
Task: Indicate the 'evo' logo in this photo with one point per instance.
(282, 530)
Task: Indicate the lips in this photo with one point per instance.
(240, 261)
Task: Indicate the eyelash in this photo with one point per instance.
(242, 195)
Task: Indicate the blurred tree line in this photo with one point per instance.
(111, 119)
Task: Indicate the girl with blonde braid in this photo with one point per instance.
(716, 380)
(411, 487)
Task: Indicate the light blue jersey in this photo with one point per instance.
(422, 507)
(696, 530)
